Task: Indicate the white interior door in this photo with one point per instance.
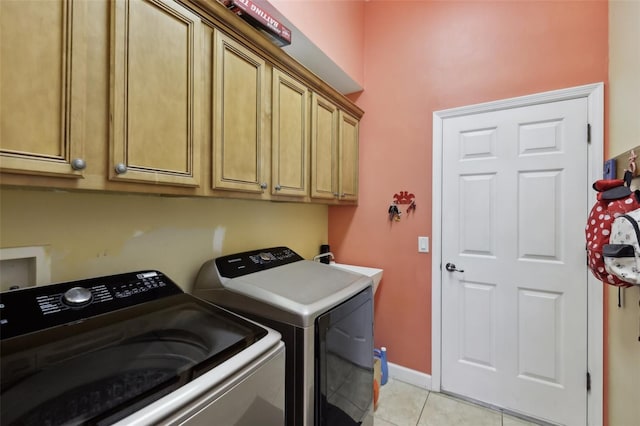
(514, 200)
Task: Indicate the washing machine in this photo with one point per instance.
(134, 349)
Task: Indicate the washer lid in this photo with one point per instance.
(304, 288)
(105, 367)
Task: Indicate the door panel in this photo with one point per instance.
(539, 201)
(477, 309)
(514, 323)
(477, 227)
(539, 345)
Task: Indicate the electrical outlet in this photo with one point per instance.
(423, 244)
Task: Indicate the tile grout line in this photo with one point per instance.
(423, 407)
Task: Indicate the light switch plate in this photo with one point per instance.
(423, 244)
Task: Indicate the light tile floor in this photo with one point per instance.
(401, 404)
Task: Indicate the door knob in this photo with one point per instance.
(451, 267)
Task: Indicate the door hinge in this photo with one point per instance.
(586, 253)
(588, 133)
(588, 381)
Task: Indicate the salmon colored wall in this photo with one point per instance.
(336, 27)
(422, 57)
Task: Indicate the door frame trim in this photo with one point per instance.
(595, 291)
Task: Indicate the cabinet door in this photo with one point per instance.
(324, 148)
(348, 136)
(155, 66)
(240, 153)
(290, 136)
(42, 86)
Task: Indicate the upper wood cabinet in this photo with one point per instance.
(324, 148)
(348, 154)
(334, 152)
(289, 136)
(159, 96)
(156, 94)
(240, 150)
(43, 87)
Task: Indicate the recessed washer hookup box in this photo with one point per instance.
(261, 20)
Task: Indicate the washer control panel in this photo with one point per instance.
(239, 264)
(37, 308)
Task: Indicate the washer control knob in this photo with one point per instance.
(77, 296)
(265, 257)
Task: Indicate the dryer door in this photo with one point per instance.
(344, 362)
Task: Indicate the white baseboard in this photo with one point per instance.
(407, 375)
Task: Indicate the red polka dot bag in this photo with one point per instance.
(614, 199)
(622, 254)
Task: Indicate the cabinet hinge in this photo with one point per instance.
(588, 133)
(588, 381)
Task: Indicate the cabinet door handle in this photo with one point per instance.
(264, 185)
(78, 164)
(278, 187)
(121, 168)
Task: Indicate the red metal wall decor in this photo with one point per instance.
(405, 197)
(402, 197)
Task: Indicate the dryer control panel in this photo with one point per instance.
(239, 264)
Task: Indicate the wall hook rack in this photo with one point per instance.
(626, 161)
(632, 162)
(394, 212)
